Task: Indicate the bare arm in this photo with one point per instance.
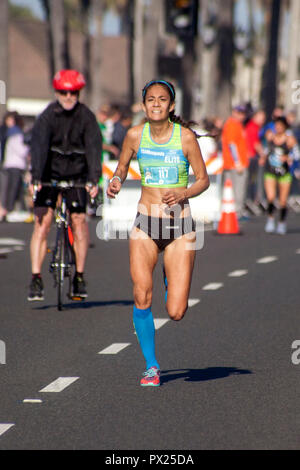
(128, 151)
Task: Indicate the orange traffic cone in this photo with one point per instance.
(228, 223)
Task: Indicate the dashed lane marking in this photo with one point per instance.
(238, 273)
(5, 427)
(267, 259)
(4, 251)
(298, 251)
(192, 302)
(114, 348)
(213, 286)
(32, 400)
(11, 241)
(59, 384)
(159, 322)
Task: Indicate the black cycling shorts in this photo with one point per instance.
(76, 199)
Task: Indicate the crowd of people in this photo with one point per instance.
(261, 157)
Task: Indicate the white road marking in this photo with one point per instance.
(59, 384)
(114, 348)
(11, 241)
(4, 427)
(3, 251)
(32, 400)
(298, 251)
(18, 248)
(159, 322)
(267, 259)
(238, 273)
(192, 302)
(213, 286)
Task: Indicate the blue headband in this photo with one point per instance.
(158, 81)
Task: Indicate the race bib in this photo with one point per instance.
(161, 175)
(274, 159)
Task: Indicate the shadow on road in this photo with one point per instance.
(199, 375)
(85, 304)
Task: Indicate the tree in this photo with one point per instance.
(97, 9)
(269, 89)
(293, 48)
(85, 6)
(3, 55)
(225, 57)
(58, 34)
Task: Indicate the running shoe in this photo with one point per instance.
(281, 228)
(79, 287)
(270, 225)
(36, 289)
(151, 378)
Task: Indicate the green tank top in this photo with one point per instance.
(162, 165)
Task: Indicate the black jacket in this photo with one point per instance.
(66, 144)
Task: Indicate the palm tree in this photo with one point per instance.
(225, 57)
(57, 26)
(3, 55)
(293, 56)
(269, 89)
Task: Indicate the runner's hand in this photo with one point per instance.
(113, 188)
(173, 197)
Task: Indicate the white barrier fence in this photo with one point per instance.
(118, 214)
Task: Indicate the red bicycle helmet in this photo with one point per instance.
(68, 80)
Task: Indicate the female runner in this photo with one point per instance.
(282, 151)
(164, 147)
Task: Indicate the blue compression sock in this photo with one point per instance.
(166, 284)
(145, 331)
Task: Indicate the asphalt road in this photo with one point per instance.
(228, 378)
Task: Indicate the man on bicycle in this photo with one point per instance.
(66, 145)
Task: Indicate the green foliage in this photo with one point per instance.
(20, 12)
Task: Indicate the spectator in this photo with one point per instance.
(277, 112)
(119, 131)
(255, 154)
(235, 157)
(14, 162)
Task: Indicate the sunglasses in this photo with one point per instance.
(65, 92)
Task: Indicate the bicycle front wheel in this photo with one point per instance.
(61, 267)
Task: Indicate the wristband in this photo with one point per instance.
(118, 177)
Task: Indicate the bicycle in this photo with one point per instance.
(62, 264)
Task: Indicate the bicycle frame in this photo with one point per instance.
(63, 259)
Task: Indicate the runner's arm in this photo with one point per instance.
(120, 174)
